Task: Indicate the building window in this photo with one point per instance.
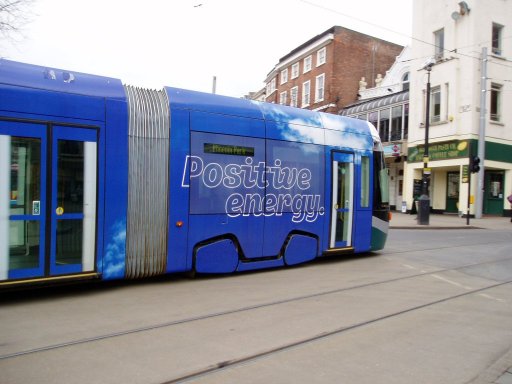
(319, 88)
(439, 43)
(396, 123)
(384, 125)
(405, 82)
(307, 64)
(435, 105)
(306, 93)
(284, 76)
(321, 56)
(496, 38)
(271, 86)
(282, 98)
(294, 96)
(496, 90)
(295, 70)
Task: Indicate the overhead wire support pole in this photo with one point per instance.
(481, 137)
(424, 200)
(468, 207)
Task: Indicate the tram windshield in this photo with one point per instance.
(381, 184)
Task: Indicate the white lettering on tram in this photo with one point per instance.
(304, 206)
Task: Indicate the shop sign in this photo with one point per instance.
(392, 150)
(440, 151)
(465, 174)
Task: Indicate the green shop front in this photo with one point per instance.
(449, 162)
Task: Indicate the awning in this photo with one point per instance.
(373, 104)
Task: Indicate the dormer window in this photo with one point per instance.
(405, 82)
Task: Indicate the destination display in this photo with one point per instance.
(222, 149)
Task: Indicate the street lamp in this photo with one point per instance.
(424, 200)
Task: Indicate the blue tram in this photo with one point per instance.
(101, 180)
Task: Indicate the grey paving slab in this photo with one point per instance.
(417, 312)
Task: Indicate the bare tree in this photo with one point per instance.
(14, 14)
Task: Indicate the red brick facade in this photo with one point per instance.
(349, 56)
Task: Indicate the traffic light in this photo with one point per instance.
(474, 164)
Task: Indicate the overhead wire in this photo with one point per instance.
(455, 51)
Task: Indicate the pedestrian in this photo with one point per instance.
(509, 198)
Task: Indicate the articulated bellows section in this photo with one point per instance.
(148, 185)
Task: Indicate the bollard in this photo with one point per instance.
(423, 210)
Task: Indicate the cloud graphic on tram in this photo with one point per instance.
(115, 251)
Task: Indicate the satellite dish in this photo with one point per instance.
(455, 16)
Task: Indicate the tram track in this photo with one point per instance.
(210, 370)
(385, 252)
(271, 304)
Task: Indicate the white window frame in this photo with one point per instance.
(306, 94)
(271, 86)
(295, 70)
(439, 43)
(282, 97)
(321, 56)
(496, 41)
(307, 64)
(320, 88)
(284, 76)
(405, 81)
(497, 97)
(294, 96)
(433, 93)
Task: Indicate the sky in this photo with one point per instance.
(185, 43)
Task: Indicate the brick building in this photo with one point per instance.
(324, 73)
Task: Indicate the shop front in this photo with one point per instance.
(452, 188)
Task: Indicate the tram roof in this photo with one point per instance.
(53, 79)
(207, 102)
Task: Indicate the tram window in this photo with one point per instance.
(25, 196)
(69, 242)
(24, 244)
(384, 185)
(25, 174)
(71, 176)
(365, 181)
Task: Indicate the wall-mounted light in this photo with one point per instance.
(463, 10)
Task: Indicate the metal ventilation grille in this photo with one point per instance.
(148, 182)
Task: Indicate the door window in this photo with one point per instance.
(46, 231)
(74, 201)
(20, 206)
(453, 185)
(342, 200)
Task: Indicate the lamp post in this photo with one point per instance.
(424, 200)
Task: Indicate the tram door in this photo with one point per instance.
(342, 200)
(73, 200)
(48, 177)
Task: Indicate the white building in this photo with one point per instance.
(454, 34)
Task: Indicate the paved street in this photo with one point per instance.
(450, 221)
(433, 307)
